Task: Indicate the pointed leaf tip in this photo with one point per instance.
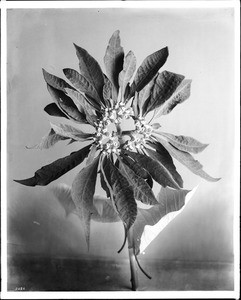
(28, 182)
(149, 68)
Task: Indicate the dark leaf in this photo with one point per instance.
(84, 105)
(127, 93)
(66, 104)
(158, 172)
(104, 183)
(149, 180)
(135, 167)
(121, 193)
(83, 187)
(90, 69)
(184, 143)
(138, 169)
(56, 82)
(158, 216)
(78, 99)
(148, 69)
(51, 172)
(53, 110)
(187, 160)
(165, 85)
(113, 60)
(164, 158)
(181, 94)
(83, 85)
(145, 93)
(142, 190)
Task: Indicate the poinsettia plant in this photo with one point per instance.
(127, 160)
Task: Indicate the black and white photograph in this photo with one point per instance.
(120, 149)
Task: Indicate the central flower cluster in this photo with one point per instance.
(106, 137)
(140, 135)
(112, 145)
(116, 114)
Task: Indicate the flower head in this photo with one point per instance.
(126, 161)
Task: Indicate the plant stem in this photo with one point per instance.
(133, 266)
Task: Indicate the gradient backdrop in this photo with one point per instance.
(201, 45)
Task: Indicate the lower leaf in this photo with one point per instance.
(122, 194)
(187, 160)
(158, 172)
(83, 187)
(142, 190)
(56, 169)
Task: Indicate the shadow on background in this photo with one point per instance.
(47, 252)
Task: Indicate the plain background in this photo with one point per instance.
(201, 47)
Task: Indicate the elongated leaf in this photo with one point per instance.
(84, 105)
(164, 158)
(181, 94)
(127, 95)
(53, 110)
(122, 194)
(49, 140)
(128, 70)
(85, 218)
(77, 98)
(113, 59)
(56, 82)
(145, 93)
(83, 187)
(187, 160)
(90, 69)
(165, 85)
(135, 105)
(66, 105)
(150, 222)
(149, 68)
(138, 169)
(71, 132)
(104, 182)
(82, 84)
(184, 143)
(142, 190)
(56, 169)
(92, 154)
(158, 172)
(82, 192)
(135, 167)
(107, 92)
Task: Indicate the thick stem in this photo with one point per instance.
(133, 265)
